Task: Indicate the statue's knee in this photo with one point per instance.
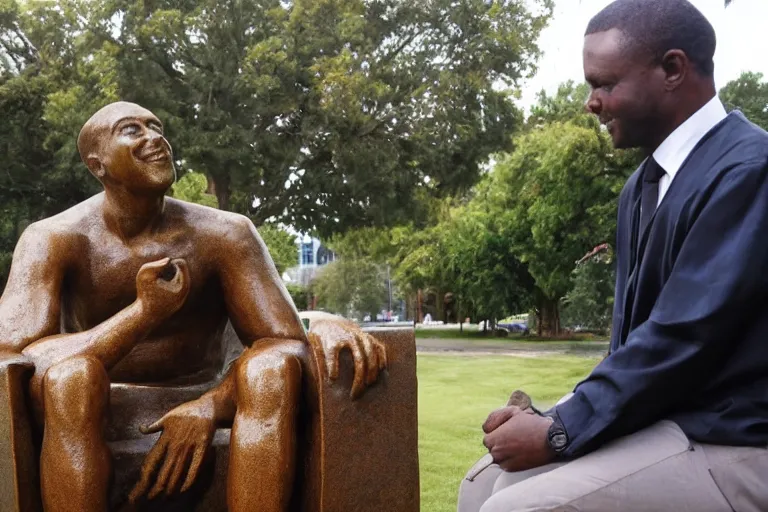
(76, 390)
(269, 379)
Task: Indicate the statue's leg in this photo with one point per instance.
(75, 464)
(262, 457)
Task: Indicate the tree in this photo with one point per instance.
(749, 94)
(281, 245)
(324, 114)
(351, 287)
(556, 196)
(567, 105)
(590, 301)
(192, 187)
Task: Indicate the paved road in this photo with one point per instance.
(512, 348)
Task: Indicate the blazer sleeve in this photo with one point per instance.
(717, 279)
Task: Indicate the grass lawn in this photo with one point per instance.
(456, 393)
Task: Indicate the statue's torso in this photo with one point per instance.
(101, 280)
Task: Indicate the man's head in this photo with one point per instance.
(123, 145)
(650, 65)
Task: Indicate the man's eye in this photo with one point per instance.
(607, 87)
(129, 129)
(157, 128)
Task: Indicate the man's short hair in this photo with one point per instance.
(658, 26)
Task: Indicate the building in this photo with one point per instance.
(312, 255)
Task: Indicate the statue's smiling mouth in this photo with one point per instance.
(156, 156)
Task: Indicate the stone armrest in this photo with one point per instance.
(18, 473)
(14, 360)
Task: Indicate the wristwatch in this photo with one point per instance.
(557, 437)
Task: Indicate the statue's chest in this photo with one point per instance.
(103, 281)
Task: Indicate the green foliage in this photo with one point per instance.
(567, 105)
(589, 303)
(330, 114)
(300, 296)
(281, 245)
(556, 196)
(748, 93)
(352, 287)
(192, 187)
(327, 114)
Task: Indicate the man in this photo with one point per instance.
(676, 416)
(133, 287)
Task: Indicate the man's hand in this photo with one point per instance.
(517, 439)
(369, 355)
(187, 433)
(162, 286)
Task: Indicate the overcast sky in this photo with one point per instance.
(742, 41)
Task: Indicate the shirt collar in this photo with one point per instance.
(675, 149)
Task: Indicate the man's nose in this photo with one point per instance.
(593, 104)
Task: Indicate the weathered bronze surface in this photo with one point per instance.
(113, 370)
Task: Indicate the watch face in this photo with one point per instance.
(558, 440)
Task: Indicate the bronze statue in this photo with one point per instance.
(131, 286)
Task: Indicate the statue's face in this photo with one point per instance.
(134, 151)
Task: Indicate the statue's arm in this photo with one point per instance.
(258, 304)
(30, 304)
(162, 286)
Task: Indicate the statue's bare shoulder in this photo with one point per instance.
(229, 231)
(55, 239)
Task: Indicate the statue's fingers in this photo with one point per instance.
(358, 384)
(162, 479)
(155, 427)
(382, 352)
(178, 470)
(332, 360)
(371, 359)
(194, 467)
(154, 457)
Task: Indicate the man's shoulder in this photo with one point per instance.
(741, 140)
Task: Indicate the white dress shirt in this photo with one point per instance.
(671, 154)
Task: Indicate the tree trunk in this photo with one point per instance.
(538, 322)
(218, 185)
(549, 317)
(458, 316)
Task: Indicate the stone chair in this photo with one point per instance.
(353, 455)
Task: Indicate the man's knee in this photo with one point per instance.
(268, 378)
(76, 391)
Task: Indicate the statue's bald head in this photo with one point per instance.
(99, 125)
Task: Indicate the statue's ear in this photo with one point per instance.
(95, 166)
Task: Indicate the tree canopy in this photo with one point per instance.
(323, 114)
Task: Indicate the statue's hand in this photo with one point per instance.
(162, 286)
(369, 355)
(187, 433)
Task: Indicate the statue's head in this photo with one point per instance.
(123, 145)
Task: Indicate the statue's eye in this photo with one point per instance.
(130, 129)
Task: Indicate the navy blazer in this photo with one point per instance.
(690, 322)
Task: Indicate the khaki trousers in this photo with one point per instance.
(655, 470)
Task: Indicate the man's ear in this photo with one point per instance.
(95, 166)
(676, 66)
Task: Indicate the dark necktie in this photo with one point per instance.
(650, 193)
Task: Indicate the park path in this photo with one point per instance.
(469, 347)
